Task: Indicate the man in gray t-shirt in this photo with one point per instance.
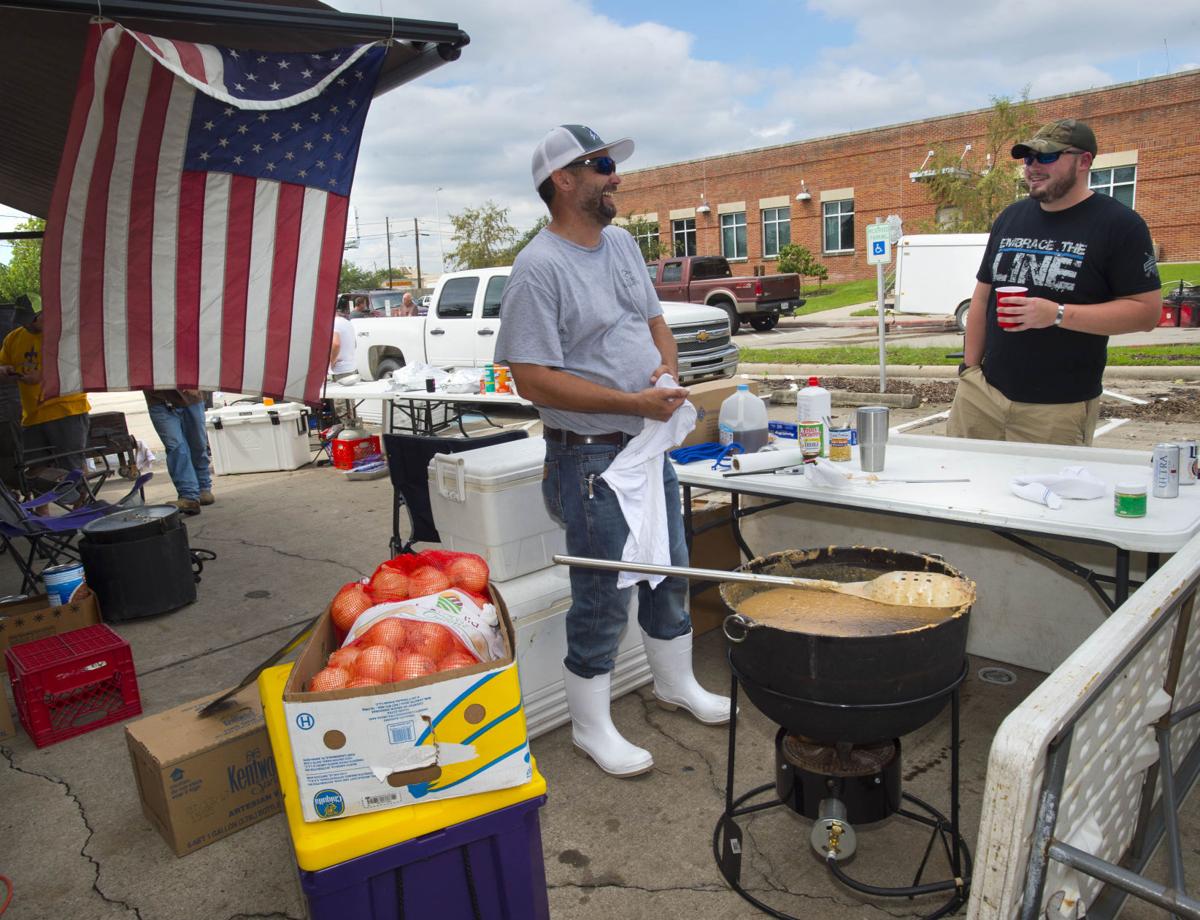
(583, 332)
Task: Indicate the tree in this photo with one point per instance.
(971, 190)
(356, 278)
(23, 274)
(795, 258)
(646, 232)
(484, 236)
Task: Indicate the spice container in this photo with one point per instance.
(1129, 499)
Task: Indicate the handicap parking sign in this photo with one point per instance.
(879, 244)
(879, 248)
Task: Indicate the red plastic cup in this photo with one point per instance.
(1002, 296)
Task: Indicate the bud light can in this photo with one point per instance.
(1166, 470)
(1189, 463)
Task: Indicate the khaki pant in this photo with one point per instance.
(982, 411)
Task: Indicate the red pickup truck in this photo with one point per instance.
(756, 299)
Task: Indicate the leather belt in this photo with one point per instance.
(572, 439)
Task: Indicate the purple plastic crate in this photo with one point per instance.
(489, 868)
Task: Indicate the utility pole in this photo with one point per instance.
(388, 230)
(417, 241)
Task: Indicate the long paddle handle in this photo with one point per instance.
(696, 574)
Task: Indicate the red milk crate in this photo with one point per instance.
(72, 683)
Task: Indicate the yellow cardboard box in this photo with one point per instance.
(357, 751)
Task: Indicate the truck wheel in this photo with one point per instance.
(765, 322)
(960, 315)
(385, 367)
(731, 311)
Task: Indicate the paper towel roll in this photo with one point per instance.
(767, 460)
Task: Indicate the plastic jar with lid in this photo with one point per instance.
(1129, 499)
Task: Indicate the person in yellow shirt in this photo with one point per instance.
(55, 427)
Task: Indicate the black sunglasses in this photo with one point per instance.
(606, 166)
(1047, 158)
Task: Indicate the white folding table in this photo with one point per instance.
(985, 501)
(416, 406)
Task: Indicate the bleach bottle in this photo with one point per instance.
(743, 419)
(814, 404)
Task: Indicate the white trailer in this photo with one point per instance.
(935, 273)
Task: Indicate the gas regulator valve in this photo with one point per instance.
(833, 836)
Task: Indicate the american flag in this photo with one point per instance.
(196, 231)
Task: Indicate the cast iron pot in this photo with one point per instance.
(851, 688)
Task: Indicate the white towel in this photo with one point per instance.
(1050, 489)
(635, 475)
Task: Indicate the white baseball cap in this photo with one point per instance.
(567, 143)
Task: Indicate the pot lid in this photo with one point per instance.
(131, 517)
(352, 434)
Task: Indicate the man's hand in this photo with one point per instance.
(660, 403)
(1021, 313)
(7, 370)
(32, 378)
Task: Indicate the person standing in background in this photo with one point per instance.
(178, 417)
(56, 428)
(1088, 263)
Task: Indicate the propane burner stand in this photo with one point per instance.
(877, 764)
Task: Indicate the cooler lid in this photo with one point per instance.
(253, 412)
(529, 594)
(497, 464)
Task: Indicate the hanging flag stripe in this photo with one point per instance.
(194, 244)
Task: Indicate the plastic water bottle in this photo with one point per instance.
(814, 404)
(743, 419)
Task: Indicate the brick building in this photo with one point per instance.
(823, 193)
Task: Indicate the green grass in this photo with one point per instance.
(1172, 273)
(1121, 355)
(832, 296)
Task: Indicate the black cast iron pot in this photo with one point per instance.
(846, 688)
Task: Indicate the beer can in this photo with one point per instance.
(1165, 463)
(1189, 463)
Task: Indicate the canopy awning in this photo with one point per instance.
(42, 41)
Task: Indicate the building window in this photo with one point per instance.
(777, 231)
(646, 235)
(683, 236)
(839, 225)
(1118, 182)
(733, 235)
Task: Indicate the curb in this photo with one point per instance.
(1166, 374)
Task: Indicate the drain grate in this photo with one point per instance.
(1000, 676)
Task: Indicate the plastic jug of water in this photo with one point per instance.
(743, 419)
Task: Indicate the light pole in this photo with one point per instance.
(437, 213)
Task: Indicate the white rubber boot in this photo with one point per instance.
(592, 729)
(674, 683)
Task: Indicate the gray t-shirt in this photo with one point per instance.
(585, 311)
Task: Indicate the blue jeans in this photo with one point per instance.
(183, 436)
(577, 497)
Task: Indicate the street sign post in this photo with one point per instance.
(879, 254)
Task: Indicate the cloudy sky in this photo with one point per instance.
(688, 79)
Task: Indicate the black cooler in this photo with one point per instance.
(138, 562)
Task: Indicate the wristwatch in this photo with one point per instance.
(1058, 317)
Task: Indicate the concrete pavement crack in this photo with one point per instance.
(7, 754)
(650, 708)
(280, 552)
(221, 648)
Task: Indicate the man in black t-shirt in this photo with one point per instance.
(1088, 264)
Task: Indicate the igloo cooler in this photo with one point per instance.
(255, 438)
(489, 501)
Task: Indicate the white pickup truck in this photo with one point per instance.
(464, 314)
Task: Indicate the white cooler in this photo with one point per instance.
(257, 438)
(489, 501)
(537, 604)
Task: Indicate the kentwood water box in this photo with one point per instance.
(201, 779)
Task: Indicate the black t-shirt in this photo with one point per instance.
(1094, 252)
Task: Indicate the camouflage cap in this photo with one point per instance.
(1056, 136)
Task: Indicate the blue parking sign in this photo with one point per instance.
(878, 248)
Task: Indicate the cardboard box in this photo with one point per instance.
(34, 618)
(203, 779)
(8, 726)
(712, 549)
(707, 398)
(367, 749)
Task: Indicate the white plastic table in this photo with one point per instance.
(417, 405)
(986, 500)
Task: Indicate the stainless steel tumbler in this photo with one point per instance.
(872, 425)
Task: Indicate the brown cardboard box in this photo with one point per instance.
(8, 728)
(34, 618)
(713, 549)
(707, 398)
(203, 779)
